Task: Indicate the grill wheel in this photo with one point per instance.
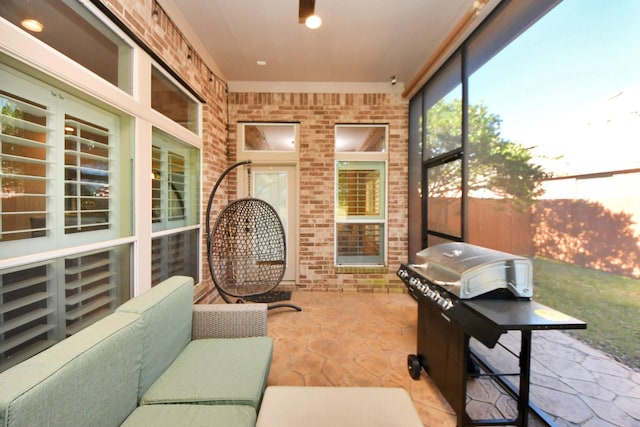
(414, 366)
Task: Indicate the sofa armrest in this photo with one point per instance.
(229, 320)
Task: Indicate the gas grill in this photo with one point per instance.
(447, 273)
(466, 291)
(468, 271)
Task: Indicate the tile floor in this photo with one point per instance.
(352, 340)
(363, 340)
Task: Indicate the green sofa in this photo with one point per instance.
(158, 360)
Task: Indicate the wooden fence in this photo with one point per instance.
(592, 234)
(576, 231)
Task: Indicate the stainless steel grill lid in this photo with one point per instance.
(467, 270)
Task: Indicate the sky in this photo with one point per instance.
(570, 86)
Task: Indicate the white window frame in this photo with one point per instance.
(264, 155)
(169, 255)
(166, 222)
(59, 104)
(197, 130)
(364, 156)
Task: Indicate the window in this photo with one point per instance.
(444, 200)
(66, 185)
(443, 155)
(175, 254)
(66, 171)
(169, 99)
(443, 106)
(361, 139)
(269, 137)
(270, 142)
(45, 302)
(361, 194)
(109, 57)
(175, 169)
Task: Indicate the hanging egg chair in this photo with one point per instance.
(246, 249)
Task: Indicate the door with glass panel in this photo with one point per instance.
(276, 185)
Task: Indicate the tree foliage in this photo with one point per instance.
(498, 167)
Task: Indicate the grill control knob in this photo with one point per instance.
(445, 303)
(423, 287)
(435, 296)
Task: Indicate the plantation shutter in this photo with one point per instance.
(168, 186)
(360, 212)
(27, 313)
(157, 268)
(25, 157)
(156, 184)
(175, 246)
(29, 301)
(176, 196)
(90, 289)
(87, 176)
(168, 252)
(361, 192)
(169, 255)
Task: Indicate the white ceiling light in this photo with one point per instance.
(307, 14)
(313, 22)
(32, 25)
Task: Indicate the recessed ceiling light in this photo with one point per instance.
(261, 62)
(313, 22)
(32, 25)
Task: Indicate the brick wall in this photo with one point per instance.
(317, 115)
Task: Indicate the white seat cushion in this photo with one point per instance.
(337, 407)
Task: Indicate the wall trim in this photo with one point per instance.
(313, 87)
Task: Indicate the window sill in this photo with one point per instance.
(361, 269)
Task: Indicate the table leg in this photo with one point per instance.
(525, 373)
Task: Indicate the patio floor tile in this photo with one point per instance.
(364, 339)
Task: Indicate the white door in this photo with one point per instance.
(276, 185)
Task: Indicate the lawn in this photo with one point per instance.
(609, 303)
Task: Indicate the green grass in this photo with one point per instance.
(608, 303)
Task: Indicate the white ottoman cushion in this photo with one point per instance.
(337, 407)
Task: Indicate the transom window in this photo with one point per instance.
(269, 137)
(268, 141)
(70, 28)
(169, 99)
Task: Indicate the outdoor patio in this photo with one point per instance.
(363, 340)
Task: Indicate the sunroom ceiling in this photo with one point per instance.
(366, 41)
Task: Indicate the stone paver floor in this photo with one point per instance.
(364, 339)
(573, 383)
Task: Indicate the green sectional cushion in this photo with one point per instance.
(88, 379)
(216, 372)
(167, 313)
(192, 416)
